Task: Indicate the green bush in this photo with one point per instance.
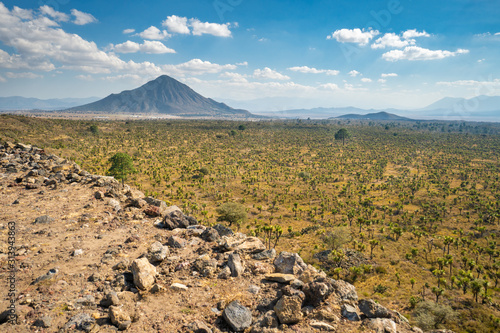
(429, 315)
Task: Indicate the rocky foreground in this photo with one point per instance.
(94, 256)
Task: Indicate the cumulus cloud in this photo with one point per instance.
(329, 86)
(58, 16)
(82, 18)
(235, 77)
(128, 31)
(176, 24)
(389, 75)
(309, 70)
(25, 14)
(414, 53)
(356, 36)
(197, 67)
(25, 75)
(215, 29)
(354, 73)
(391, 40)
(268, 73)
(366, 80)
(152, 47)
(153, 33)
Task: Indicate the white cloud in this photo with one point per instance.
(329, 86)
(356, 36)
(25, 75)
(470, 83)
(390, 40)
(268, 73)
(309, 70)
(382, 80)
(215, 29)
(25, 14)
(366, 80)
(2, 79)
(196, 67)
(58, 16)
(152, 47)
(85, 77)
(414, 33)
(134, 77)
(82, 18)
(176, 24)
(497, 34)
(128, 31)
(389, 75)
(15, 61)
(235, 77)
(354, 73)
(153, 33)
(244, 63)
(417, 53)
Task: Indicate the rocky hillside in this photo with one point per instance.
(94, 256)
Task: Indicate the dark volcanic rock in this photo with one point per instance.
(237, 316)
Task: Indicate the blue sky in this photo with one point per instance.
(255, 54)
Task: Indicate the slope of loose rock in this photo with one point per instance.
(94, 256)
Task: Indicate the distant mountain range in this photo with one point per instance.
(374, 116)
(23, 103)
(163, 95)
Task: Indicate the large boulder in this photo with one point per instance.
(344, 290)
(174, 219)
(242, 243)
(289, 263)
(317, 291)
(144, 273)
(373, 310)
(237, 316)
(288, 309)
(350, 312)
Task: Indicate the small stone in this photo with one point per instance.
(210, 235)
(178, 287)
(157, 289)
(87, 300)
(144, 273)
(223, 231)
(111, 298)
(77, 252)
(279, 277)
(44, 219)
(288, 309)
(82, 322)
(44, 322)
(225, 273)
(253, 289)
(157, 252)
(198, 326)
(235, 265)
(119, 317)
(382, 325)
(319, 325)
(289, 263)
(237, 316)
(177, 242)
(99, 195)
(350, 312)
(266, 254)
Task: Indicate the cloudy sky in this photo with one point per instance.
(392, 53)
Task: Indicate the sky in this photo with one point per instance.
(255, 54)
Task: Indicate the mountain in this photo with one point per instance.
(315, 113)
(478, 104)
(163, 95)
(375, 116)
(15, 103)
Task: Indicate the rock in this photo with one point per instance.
(198, 326)
(81, 322)
(317, 291)
(152, 211)
(266, 254)
(279, 277)
(115, 204)
(44, 322)
(223, 231)
(87, 300)
(138, 203)
(310, 274)
(373, 310)
(260, 268)
(176, 219)
(77, 252)
(43, 219)
(157, 252)
(350, 312)
(49, 275)
(225, 273)
(119, 317)
(178, 287)
(237, 316)
(177, 242)
(344, 290)
(253, 289)
(99, 195)
(210, 235)
(382, 325)
(289, 291)
(288, 309)
(111, 298)
(319, 325)
(297, 284)
(289, 263)
(161, 205)
(241, 243)
(267, 320)
(205, 265)
(144, 273)
(326, 314)
(235, 265)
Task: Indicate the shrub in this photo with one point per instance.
(232, 212)
(429, 315)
